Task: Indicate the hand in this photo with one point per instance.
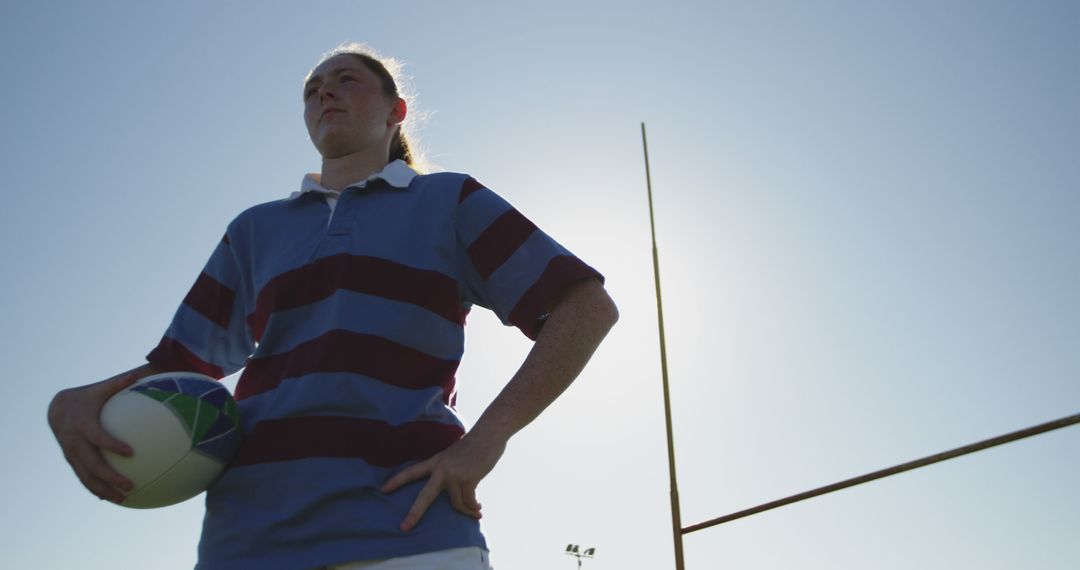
(457, 470)
(74, 416)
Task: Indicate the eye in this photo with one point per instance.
(345, 78)
(310, 91)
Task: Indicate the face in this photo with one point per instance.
(346, 110)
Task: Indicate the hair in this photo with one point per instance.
(403, 146)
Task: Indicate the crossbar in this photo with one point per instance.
(972, 448)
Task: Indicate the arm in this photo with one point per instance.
(579, 321)
(74, 416)
(215, 302)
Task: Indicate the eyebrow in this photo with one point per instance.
(337, 71)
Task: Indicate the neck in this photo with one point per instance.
(341, 171)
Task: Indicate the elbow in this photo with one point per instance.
(598, 304)
(608, 311)
(588, 302)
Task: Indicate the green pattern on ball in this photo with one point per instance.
(231, 411)
(205, 419)
(159, 395)
(204, 408)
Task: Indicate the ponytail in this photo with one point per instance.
(400, 149)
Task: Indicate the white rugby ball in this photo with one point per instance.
(183, 428)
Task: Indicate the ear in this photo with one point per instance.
(398, 113)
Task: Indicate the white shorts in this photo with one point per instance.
(468, 558)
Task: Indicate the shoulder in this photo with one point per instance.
(440, 182)
(457, 186)
(273, 206)
(275, 212)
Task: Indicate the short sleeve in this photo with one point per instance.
(506, 263)
(209, 333)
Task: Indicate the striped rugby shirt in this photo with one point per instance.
(349, 325)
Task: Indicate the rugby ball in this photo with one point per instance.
(183, 428)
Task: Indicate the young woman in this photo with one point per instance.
(345, 306)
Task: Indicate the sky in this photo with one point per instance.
(866, 215)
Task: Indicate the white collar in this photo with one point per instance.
(397, 175)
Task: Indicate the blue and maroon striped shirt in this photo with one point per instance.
(349, 325)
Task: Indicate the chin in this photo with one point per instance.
(334, 147)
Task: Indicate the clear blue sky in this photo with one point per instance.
(868, 223)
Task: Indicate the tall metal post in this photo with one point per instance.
(676, 518)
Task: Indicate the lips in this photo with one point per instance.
(328, 111)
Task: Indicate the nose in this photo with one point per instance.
(326, 93)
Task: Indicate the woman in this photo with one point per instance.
(345, 305)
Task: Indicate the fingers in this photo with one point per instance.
(97, 476)
(457, 470)
(101, 488)
(83, 447)
(100, 469)
(420, 506)
(462, 495)
(463, 499)
(468, 495)
(90, 461)
(74, 418)
(96, 435)
(408, 475)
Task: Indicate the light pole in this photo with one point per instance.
(573, 550)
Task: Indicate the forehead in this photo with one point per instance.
(337, 64)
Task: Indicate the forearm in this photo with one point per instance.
(139, 372)
(571, 334)
(578, 322)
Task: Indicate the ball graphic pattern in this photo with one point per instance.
(204, 407)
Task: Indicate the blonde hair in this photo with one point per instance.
(389, 71)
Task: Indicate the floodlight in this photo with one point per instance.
(575, 551)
